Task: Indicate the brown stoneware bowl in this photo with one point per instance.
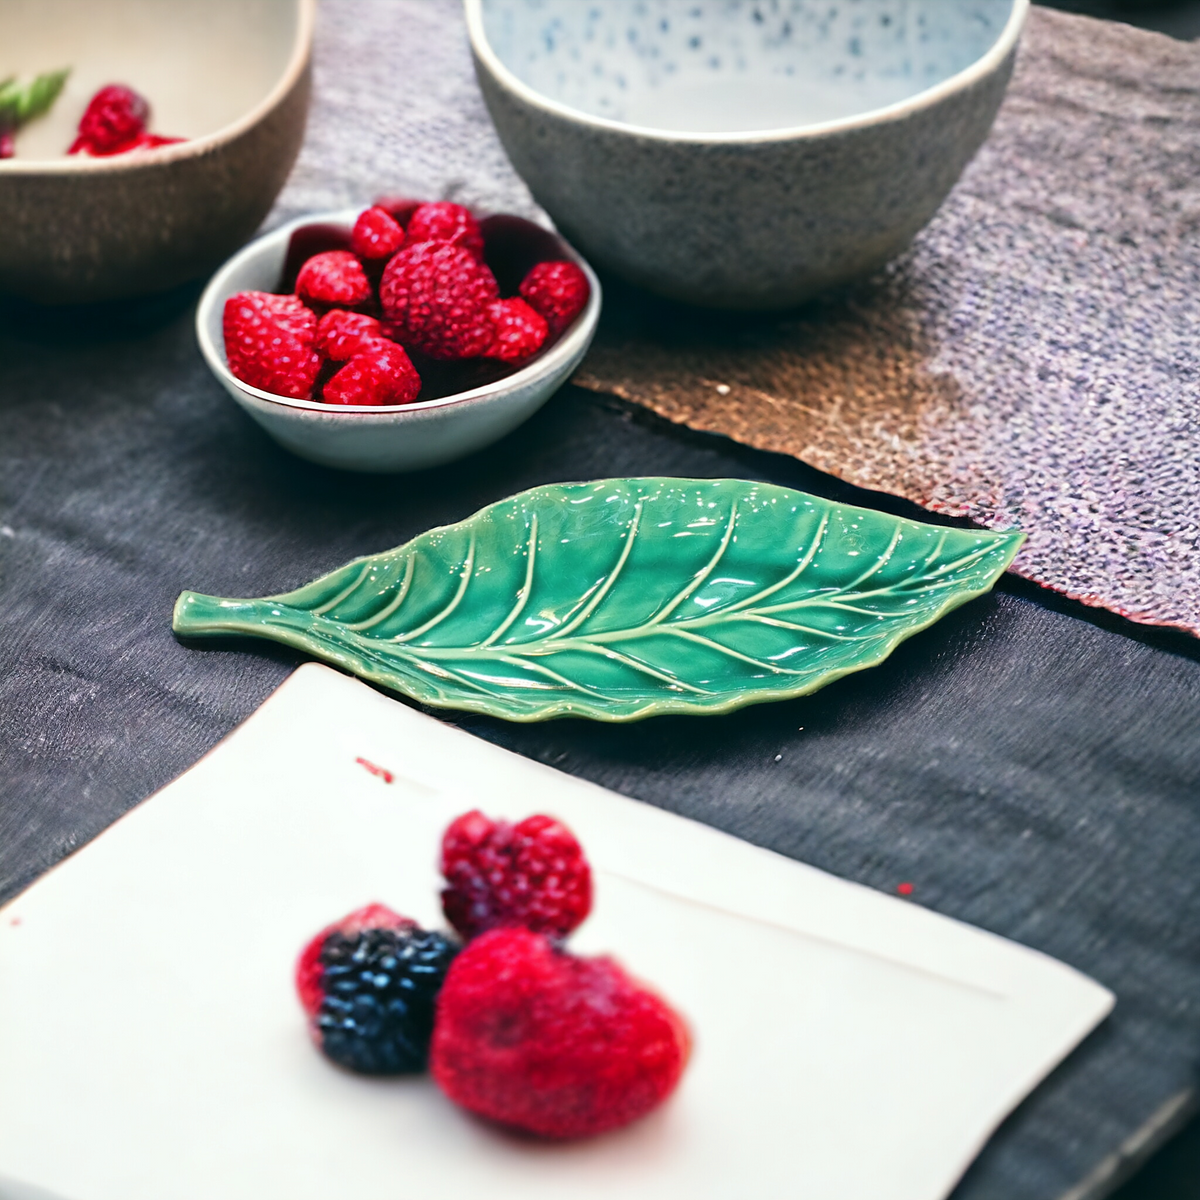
(231, 76)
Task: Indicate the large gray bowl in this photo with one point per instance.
(742, 155)
(232, 76)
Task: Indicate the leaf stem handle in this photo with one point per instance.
(196, 614)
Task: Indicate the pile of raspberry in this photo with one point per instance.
(414, 283)
(511, 1025)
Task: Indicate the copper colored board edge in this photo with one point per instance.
(1032, 362)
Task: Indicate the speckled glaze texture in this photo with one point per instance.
(627, 598)
(383, 438)
(761, 221)
(118, 228)
(708, 66)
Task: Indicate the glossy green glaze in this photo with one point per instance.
(627, 598)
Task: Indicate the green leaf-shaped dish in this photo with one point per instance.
(627, 598)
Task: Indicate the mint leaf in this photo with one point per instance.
(42, 93)
(19, 105)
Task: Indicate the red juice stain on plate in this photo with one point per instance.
(15, 921)
(905, 889)
(380, 772)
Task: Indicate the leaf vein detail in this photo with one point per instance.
(329, 605)
(746, 658)
(438, 618)
(389, 608)
(810, 554)
(515, 661)
(700, 575)
(606, 587)
(526, 587)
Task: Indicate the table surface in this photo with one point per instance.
(1029, 766)
(1025, 768)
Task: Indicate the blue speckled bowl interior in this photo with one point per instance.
(737, 66)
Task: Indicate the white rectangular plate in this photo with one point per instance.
(849, 1045)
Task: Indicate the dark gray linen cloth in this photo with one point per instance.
(1029, 767)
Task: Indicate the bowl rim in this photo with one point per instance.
(926, 98)
(215, 292)
(82, 164)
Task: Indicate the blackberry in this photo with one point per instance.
(378, 991)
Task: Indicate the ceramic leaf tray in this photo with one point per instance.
(627, 598)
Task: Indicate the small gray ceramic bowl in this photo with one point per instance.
(231, 76)
(384, 438)
(738, 153)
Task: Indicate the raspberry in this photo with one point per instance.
(376, 235)
(442, 221)
(563, 1047)
(520, 331)
(334, 277)
(380, 374)
(8, 144)
(532, 874)
(558, 290)
(369, 985)
(113, 120)
(268, 343)
(341, 334)
(436, 296)
(290, 313)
